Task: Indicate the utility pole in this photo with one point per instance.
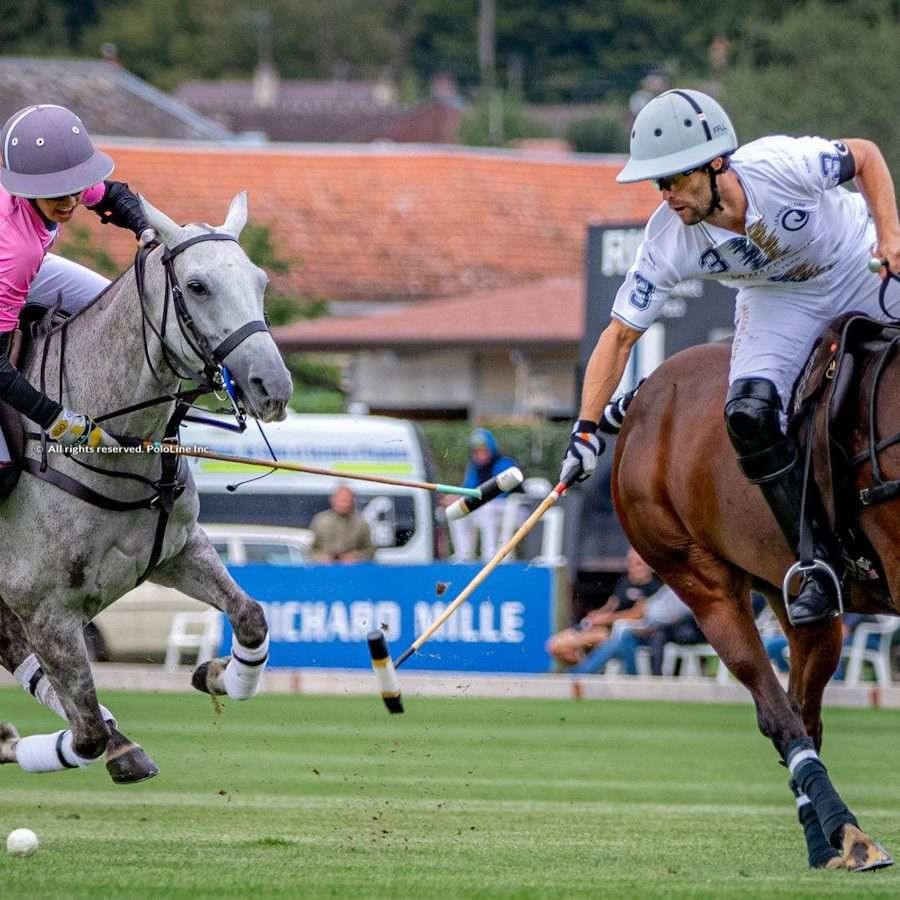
(487, 64)
(265, 78)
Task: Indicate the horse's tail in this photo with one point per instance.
(613, 417)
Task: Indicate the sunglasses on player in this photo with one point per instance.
(673, 182)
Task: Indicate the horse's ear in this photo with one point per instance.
(168, 231)
(237, 215)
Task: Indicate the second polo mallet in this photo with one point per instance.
(385, 668)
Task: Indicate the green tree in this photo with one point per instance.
(834, 79)
(318, 383)
(78, 245)
(475, 126)
(602, 133)
(169, 41)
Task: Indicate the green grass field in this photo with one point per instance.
(330, 797)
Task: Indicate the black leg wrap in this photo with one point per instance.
(818, 850)
(812, 778)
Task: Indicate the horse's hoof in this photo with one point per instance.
(836, 862)
(9, 737)
(209, 677)
(128, 762)
(861, 853)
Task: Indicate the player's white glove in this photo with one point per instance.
(77, 430)
(585, 445)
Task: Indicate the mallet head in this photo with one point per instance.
(502, 483)
(385, 673)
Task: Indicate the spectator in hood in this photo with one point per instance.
(485, 461)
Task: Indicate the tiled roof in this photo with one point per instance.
(324, 111)
(428, 122)
(294, 95)
(547, 313)
(110, 100)
(403, 222)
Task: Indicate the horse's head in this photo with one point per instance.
(223, 298)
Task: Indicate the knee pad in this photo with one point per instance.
(753, 422)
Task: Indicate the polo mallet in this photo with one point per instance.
(386, 670)
(473, 493)
(502, 483)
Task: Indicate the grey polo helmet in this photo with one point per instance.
(47, 152)
(675, 132)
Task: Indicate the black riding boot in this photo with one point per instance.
(769, 458)
(817, 598)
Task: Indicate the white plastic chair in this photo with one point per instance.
(858, 652)
(690, 656)
(199, 632)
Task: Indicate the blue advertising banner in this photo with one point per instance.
(319, 615)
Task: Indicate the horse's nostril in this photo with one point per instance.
(260, 385)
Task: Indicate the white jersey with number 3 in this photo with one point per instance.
(802, 261)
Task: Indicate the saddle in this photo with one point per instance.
(34, 319)
(821, 422)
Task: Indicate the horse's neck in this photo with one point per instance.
(105, 362)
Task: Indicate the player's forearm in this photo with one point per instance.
(605, 368)
(873, 178)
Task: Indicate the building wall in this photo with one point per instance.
(439, 380)
(477, 383)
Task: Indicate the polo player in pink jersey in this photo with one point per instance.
(49, 167)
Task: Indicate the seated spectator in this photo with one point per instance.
(341, 534)
(666, 617)
(626, 602)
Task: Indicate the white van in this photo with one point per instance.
(401, 519)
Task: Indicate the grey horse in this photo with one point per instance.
(62, 559)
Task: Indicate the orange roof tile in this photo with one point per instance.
(546, 313)
(376, 222)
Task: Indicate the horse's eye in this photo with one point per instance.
(197, 287)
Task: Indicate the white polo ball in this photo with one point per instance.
(22, 842)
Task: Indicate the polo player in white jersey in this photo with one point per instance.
(772, 220)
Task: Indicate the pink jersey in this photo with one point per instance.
(24, 241)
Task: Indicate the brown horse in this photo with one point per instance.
(708, 532)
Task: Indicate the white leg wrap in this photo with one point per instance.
(32, 678)
(245, 669)
(26, 671)
(49, 753)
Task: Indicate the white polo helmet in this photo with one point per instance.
(675, 132)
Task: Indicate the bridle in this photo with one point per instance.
(212, 358)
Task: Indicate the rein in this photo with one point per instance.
(881, 491)
(213, 377)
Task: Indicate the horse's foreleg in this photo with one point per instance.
(198, 572)
(126, 761)
(63, 658)
(719, 598)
